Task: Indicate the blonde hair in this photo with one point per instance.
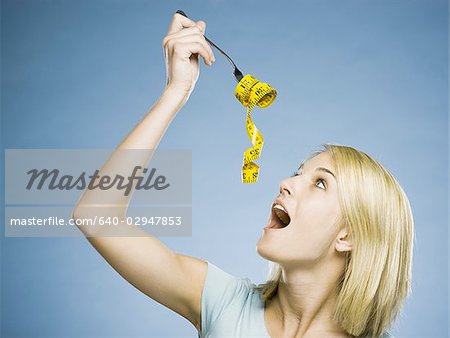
(377, 276)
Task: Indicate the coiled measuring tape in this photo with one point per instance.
(250, 92)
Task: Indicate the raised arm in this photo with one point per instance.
(172, 279)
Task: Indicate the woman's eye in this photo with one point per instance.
(323, 183)
(296, 173)
(319, 180)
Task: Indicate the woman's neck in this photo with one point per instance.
(304, 304)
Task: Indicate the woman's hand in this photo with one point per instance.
(183, 43)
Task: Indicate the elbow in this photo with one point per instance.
(93, 221)
(81, 219)
(100, 210)
(79, 213)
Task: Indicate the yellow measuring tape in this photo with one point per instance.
(251, 92)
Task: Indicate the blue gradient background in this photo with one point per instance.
(81, 74)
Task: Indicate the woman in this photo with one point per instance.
(339, 236)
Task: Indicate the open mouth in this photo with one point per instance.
(280, 218)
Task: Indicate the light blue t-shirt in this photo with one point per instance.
(232, 307)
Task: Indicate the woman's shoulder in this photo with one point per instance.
(227, 299)
(222, 288)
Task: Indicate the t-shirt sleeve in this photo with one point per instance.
(219, 291)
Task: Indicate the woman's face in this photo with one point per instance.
(311, 201)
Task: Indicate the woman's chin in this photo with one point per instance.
(262, 249)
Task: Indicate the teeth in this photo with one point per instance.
(277, 206)
(282, 214)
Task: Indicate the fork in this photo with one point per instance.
(237, 73)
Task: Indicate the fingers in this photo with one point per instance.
(189, 35)
(202, 25)
(194, 48)
(193, 43)
(178, 23)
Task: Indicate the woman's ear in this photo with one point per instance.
(343, 241)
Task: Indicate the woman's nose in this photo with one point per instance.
(284, 188)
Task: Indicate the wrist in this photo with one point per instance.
(177, 94)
